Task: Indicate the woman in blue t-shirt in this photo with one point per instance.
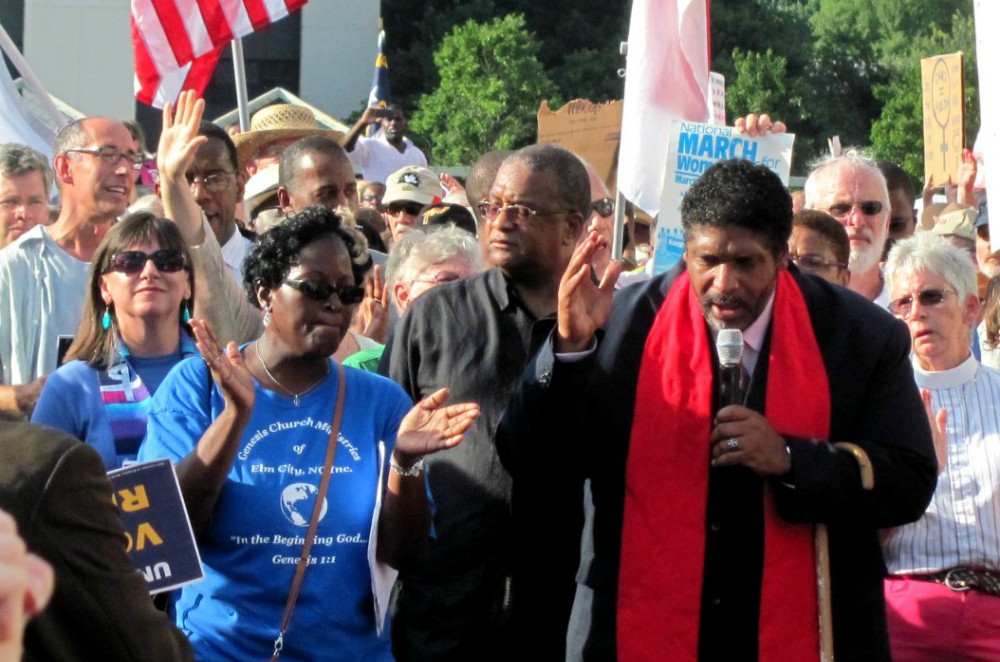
(249, 430)
(132, 331)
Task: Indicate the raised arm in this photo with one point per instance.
(203, 472)
(370, 116)
(179, 141)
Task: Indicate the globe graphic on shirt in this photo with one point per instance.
(297, 502)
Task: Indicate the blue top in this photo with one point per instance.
(255, 538)
(71, 401)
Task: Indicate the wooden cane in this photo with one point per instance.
(823, 557)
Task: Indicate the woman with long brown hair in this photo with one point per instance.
(132, 331)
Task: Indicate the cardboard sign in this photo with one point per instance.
(160, 541)
(695, 147)
(592, 131)
(944, 116)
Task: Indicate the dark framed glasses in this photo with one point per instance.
(411, 208)
(321, 291)
(902, 307)
(866, 207)
(811, 261)
(213, 182)
(112, 156)
(167, 260)
(603, 207)
(523, 213)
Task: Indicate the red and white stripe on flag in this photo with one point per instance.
(177, 42)
(666, 78)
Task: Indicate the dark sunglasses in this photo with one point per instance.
(903, 306)
(166, 260)
(603, 207)
(812, 261)
(348, 294)
(867, 207)
(411, 208)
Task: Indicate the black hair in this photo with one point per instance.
(444, 213)
(829, 227)
(216, 132)
(896, 179)
(278, 249)
(288, 167)
(572, 183)
(737, 192)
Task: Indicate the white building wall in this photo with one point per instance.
(339, 42)
(81, 50)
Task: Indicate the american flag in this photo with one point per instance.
(177, 42)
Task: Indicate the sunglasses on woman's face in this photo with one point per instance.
(132, 262)
(927, 298)
(348, 294)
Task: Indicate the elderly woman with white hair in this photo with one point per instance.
(419, 261)
(943, 592)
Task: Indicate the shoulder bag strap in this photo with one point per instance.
(324, 485)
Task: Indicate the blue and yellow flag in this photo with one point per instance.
(379, 96)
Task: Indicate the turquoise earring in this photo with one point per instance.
(187, 313)
(106, 319)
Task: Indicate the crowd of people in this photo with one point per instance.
(419, 418)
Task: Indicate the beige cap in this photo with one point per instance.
(412, 184)
(957, 224)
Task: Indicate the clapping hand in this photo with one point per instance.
(372, 318)
(939, 431)
(431, 426)
(583, 306)
(228, 369)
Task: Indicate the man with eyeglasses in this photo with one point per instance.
(217, 185)
(43, 274)
(705, 506)
(851, 188)
(943, 590)
(469, 596)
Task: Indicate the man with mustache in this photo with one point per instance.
(852, 189)
(43, 274)
(703, 514)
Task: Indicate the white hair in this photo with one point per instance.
(928, 253)
(418, 249)
(854, 158)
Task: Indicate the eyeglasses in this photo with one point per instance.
(440, 278)
(903, 306)
(866, 207)
(523, 213)
(348, 294)
(603, 207)
(167, 260)
(812, 261)
(112, 156)
(411, 208)
(213, 182)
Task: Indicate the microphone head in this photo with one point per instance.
(729, 346)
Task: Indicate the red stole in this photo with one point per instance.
(666, 484)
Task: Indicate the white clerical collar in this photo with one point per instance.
(942, 379)
(754, 335)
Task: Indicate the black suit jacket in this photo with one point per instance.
(568, 421)
(56, 489)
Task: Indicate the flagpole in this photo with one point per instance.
(618, 234)
(241, 84)
(7, 44)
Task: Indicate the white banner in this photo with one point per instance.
(988, 143)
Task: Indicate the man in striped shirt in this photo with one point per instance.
(943, 593)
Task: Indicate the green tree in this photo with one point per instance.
(897, 134)
(491, 86)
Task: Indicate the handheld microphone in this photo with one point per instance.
(729, 347)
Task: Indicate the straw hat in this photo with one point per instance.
(279, 121)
